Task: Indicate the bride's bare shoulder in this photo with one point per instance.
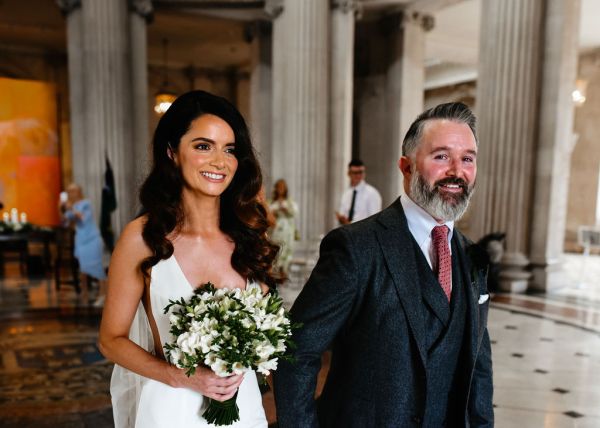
(131, 241)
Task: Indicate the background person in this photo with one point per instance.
(361, 200)
(88, 243)
(284, 231)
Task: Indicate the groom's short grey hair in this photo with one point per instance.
(456, 112)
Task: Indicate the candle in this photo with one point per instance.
(5, 217)
(14, 216)
(23, 218)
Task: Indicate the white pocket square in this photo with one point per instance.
(483, 298)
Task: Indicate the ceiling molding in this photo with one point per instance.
(209, 4)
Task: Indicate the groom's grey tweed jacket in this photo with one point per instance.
(366, 299)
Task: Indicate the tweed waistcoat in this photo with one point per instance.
(445, 329)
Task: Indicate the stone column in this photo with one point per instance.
(403, 99)
(507, 109)
(108, 88)
(554, 142)
(140, 16)
(342, 86)
(71, 9)
(300, 108)
(261, 96)
(108, 111)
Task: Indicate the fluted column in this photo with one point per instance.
(261, 96)
(71, 9)
(108, 88)
(554, 143)
(108, 113)
(342, 97)
(140, 15)
(507, 109)
(300, 108)
(402, 98)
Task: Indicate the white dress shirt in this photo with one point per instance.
(367, 203)
(420, 224)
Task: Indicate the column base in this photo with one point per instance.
(514, 278)
(514, 285)
(548, 277)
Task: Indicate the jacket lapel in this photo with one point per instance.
(433, 295)
(394, 239)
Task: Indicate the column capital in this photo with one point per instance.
(346, 6)
(274, 8)
(68, 6)
(143, 8)
(393, 22)
(258, 28)
(425, 20)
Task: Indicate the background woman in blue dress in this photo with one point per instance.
(88, 242)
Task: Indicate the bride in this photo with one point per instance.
(203, 221)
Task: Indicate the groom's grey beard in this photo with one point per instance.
(447, 207)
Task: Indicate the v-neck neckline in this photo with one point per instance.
(189, 284)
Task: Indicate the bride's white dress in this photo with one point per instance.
(145, 403)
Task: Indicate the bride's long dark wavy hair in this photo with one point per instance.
(243, 217)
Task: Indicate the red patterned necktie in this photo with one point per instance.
(439, 235)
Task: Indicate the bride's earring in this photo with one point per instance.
(171, 153)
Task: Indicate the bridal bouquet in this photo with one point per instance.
(229, 331)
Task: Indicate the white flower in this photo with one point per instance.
(205, 343)
(270, 322)
(175, 356)
(281, 318)
(226, 303)
(219, 367)
(226, 333)
(210, 359)
(220, 293)
(174, 319)
(238, 368)
(264, 350)
(196, 326)
(189, 342)
(258, 315)
(250, 298)
(266, 366)
(263, 302)
(280, 346)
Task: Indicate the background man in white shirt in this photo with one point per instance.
(361, 200)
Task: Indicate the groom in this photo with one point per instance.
(401, 300)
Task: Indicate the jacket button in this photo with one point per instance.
(417, 419)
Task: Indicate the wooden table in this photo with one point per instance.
(15, 242)
(18, 243)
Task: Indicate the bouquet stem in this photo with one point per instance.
(222, 413)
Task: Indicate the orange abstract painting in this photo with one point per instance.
(29, 153)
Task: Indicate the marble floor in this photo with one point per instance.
(546, 353)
